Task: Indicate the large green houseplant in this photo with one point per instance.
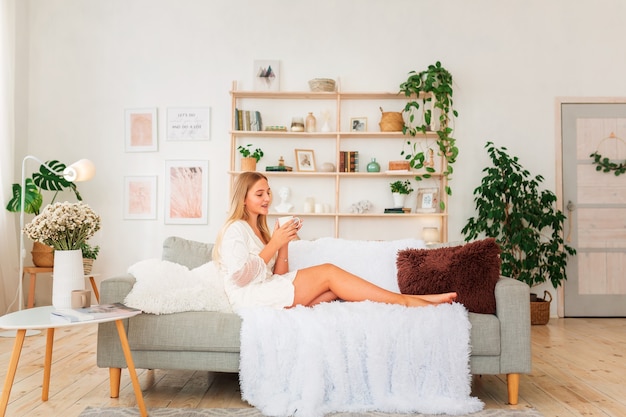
(434, 83)
(522, 218)
(44, 179)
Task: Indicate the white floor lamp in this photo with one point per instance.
(82, 170)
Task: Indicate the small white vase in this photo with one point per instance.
(68, 275)
(398, 200)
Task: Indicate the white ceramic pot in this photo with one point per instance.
(68, 275)
(398, 200)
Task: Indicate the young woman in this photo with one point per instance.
(254, 262)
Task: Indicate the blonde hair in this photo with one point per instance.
(239, 211)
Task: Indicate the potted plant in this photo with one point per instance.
(249, 158)
(522, 218)
(399, 191)
(46, 180)
(90, 253)
(434, 83)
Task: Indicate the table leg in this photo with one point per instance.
(95, 288)
(8, 382)
(47, 364)
(131, 367)
(31, 291)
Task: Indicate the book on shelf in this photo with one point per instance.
(248, 120)
(95, 312)
(348, 161)
(279, 168)
(394, 210)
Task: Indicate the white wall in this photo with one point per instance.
(88, 60)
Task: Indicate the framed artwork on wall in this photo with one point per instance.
(305, 160)
(266, 75)
(186, 192)
(141, 130)
(188, 123)
(140, 198)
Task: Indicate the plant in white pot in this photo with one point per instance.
(400, 190)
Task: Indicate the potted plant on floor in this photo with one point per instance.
(523, 219)
(399, 191)
(249, 157)
(434, 83)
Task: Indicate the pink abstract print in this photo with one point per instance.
(186, 192)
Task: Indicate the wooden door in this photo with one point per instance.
(595, 205)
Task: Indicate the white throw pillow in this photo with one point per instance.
(372, 260)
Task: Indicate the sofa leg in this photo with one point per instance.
(512, 382)
(115, 375)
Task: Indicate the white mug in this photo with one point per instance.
(285, 219)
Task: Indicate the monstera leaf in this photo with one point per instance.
(32, 199)
(45, 179)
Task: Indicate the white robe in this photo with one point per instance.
(248, 280)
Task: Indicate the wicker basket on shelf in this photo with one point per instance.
(540, 309)
(391, 121)
(322, 85)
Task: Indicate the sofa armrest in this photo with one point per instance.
(115, 290)
(109, 351)
(513, 311)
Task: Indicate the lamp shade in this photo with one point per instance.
(82, 170)
(431, 235)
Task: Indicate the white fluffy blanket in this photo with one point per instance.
(353, 357)
(164, 287)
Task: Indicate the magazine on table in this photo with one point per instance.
(94, 312)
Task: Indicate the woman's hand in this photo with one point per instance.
(287, 232)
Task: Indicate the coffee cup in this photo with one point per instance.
(284, 219)
(81, 298)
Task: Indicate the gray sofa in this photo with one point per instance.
(209, 341)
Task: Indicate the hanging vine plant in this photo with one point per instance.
(434, 83)
(604, 164)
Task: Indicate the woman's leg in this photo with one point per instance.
(313, 282)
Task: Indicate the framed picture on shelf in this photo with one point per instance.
(305, 160)
(186, 192)
(266, 75)
(140, 198)
(427, 200)
(188, 123)
(141, 130)
(358, 124)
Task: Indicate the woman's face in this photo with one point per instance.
(259, 198)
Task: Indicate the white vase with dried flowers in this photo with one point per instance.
(65, 226)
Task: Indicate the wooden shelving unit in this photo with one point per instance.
(335, 184)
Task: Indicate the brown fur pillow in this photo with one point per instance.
(471, 270)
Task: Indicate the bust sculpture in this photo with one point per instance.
(284, 206)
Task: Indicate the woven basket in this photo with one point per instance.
(540, 309)
(322, 85)
(87, 265)
(391, 121)
(43, 255)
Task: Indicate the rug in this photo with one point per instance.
(251, 412)
(356, 357)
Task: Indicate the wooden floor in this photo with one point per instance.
(579, 369)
